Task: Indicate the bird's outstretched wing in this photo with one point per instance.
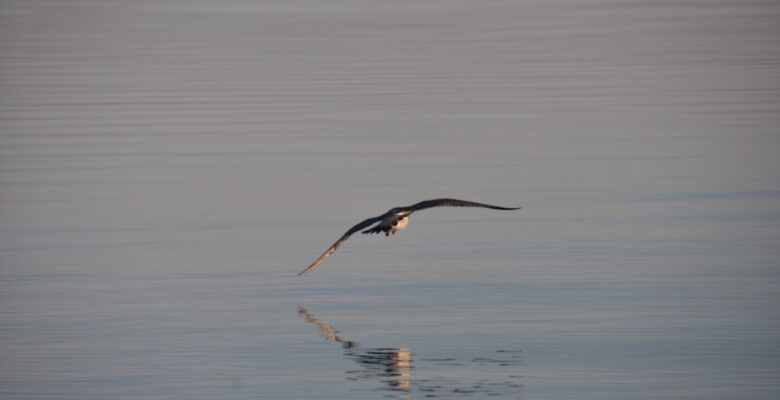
(452, 203)
(341, 240)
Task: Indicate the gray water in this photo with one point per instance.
(167, 167)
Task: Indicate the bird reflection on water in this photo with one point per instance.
(392, 366)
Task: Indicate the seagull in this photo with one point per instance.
(395, 220)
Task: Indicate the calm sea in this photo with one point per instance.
(167, 167)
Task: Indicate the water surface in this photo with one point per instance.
(166, 168)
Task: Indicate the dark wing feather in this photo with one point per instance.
(452, 203)
(341, 240)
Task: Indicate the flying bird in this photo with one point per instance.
(395, 220)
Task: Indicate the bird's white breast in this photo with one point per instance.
(401, 224)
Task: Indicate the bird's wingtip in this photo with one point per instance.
(309, 268)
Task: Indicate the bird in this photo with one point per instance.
(394, 220)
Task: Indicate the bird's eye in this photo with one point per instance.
(395, 223)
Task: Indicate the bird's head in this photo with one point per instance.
(400, 212)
